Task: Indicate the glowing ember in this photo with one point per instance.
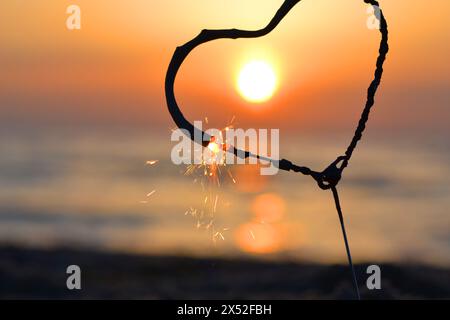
(152, 162)
(214, 147)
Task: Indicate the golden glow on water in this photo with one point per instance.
(258, 238)
(249, 179)
(264, 234)
(268, 208)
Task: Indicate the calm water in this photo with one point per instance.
(90, 190)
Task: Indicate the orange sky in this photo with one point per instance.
(112, 70)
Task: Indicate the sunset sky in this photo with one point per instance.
(111, 72)
(90, 186)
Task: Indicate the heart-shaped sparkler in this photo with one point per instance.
(326, 179)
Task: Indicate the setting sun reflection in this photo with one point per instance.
(260, 238)
(249, 179)
(264, 234)
(268, 207)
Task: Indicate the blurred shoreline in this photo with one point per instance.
(28, 273)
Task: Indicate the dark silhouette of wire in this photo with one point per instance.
(326, 179)
(347, 247)
(384, 48)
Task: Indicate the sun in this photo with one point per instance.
(257, 81)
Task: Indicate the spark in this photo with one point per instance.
(218, 234)
(152, 162)
(210, 224)
(252, 235)
(215, 203)
(191, 211)
(214, 147)
(151, 193)
(231, 176)
(210, 170)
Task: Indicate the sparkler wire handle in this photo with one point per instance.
(328, 178)
(371, 91)
(347, 247)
